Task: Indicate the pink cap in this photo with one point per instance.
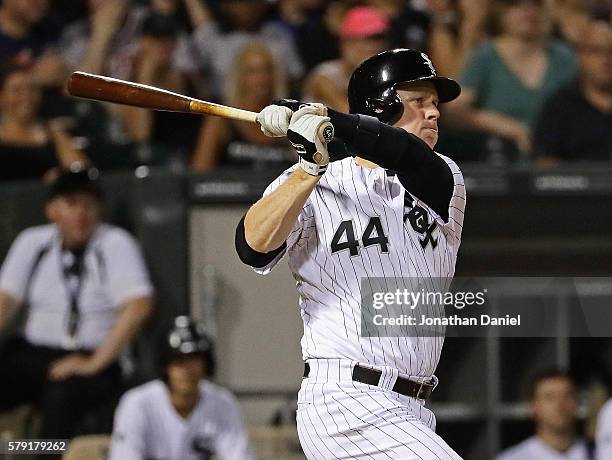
(363, 22)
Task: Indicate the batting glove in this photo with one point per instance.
(274, 119)
(309, 134)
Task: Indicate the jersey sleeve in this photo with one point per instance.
(233, 441)
(127, 273)
(456, 207)
(18, 265)
(129, 435)
(603, 435)
(298, 227)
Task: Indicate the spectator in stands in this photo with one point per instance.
(26, 39)
(317, 41)
(293, 14)
(603, 435)
(189, 15)
(175, 133)
(87, 294)
(456, 29)
(410, 23)
(255, 80)
(29, 148)
(507, 80)
(241, 22)
(181, 415)
(576, 122)
(106, 42)
(362, 35)
(553, 408)
(569, 18)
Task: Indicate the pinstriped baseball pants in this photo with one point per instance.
(338, 418)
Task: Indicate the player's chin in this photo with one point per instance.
(430, 137)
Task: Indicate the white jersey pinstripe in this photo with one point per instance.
(329, 282)
(399, 236)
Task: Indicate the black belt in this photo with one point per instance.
(402, 386)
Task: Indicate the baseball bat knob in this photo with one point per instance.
(326, 132)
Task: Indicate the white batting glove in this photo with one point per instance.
(274, 120)
(309, 134)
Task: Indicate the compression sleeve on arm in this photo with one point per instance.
(420, 170)
(250, 256)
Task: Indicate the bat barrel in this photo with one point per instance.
(108, 89)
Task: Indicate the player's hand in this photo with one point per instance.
(274, 119)
(72, 365)
(309, 134)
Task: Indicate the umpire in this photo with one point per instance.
(87, 294)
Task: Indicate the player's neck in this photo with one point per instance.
(184, 403)
(365, 163)
(560, 442)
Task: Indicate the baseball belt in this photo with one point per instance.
(402, 385)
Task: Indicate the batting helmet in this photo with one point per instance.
(372, 87)
(188, 337)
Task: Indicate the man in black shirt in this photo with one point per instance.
(575, 123)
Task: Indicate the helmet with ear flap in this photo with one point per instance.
(372, 89)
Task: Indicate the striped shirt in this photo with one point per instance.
(357, 224)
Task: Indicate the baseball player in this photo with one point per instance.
(180, 416)
(553, 405)
(392, 208)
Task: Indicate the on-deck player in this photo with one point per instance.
(393, 210)
(181, 416)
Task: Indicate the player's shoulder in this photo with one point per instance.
(454, 167)
(111, 237)
(220, 395)
(449, 161)
(37, 236)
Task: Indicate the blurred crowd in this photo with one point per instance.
(536, 76)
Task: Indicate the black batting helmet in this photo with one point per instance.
(187, 337)
(372, 87)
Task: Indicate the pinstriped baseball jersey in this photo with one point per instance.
(147, 426)
(361, 223)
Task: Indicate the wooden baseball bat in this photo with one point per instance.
(100, 88)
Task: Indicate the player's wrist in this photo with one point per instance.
(312, 169)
